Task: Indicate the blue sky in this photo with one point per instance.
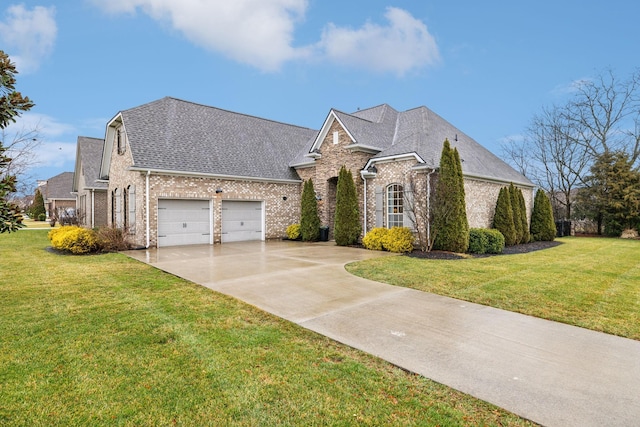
(486, 67)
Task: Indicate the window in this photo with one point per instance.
(395, 207)
(336, 138)
(120, 141)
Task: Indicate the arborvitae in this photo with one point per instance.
(309, 219)
(461, 238)
(347, 226)
(526, 236)
(543, 227)
(38, 205)
(515, 208)
(503, 218)
(450, 217)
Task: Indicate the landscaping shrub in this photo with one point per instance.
(398, 239)
(110, 239)
(74, 239)
(293, 231)
(347, 225)
(495, 241)
(543, 227)
(41, 217)
(450, 224)
(478, 241)
(503, 217)
(374, 238)
(309, 219)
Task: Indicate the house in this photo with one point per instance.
(183, 173)
(90, 190)
(59, 202)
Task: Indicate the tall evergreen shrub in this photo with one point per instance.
(543, 227)
(526, 236)
(515, 208)
(38, 205)
(347, 226)
(450, 223)
(503, 218)
(309, 219)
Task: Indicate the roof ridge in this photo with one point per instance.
(198, 104)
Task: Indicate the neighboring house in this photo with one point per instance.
(184, 173)
(59, 201)
(91, 191)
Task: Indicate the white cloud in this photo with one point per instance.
(254, 32)
(56, 154)
(404, 45)
(571, 87)
(261, 33)
(47, 127)
(28, 35)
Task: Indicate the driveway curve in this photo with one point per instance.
(551, 373)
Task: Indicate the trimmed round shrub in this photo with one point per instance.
(74, 239)
(373, 239)
(478, 241)
(398, 239)
(293, 231)
(485, 241)
(495, 242)
(41, 217)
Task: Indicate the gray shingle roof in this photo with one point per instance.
(175, 135)
(90, 156)
(60, 186)
(421, 131)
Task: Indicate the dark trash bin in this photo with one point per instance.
(324, 234)
(563, 228)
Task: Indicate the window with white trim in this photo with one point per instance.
(395, 206)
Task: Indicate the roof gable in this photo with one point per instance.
(88, 160)
(59, 187)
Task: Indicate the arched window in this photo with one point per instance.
(395, 206)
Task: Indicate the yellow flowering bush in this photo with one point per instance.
(74, 239)
(398, 239)
(374, 238)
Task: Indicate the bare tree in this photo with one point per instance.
(606, 111)
(21, 146)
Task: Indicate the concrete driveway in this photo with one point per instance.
(548, 372)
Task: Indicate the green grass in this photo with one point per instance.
(589, 282)
(105, 340)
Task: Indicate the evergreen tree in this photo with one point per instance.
(450, 224)
(38, 205)
(309, 219)
(503, 218)
(543, 227)
(526, 236)
(11, 104)
(614, 192)
(347, 218)
(515, 208)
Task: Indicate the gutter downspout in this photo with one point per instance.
(93, 209)
(148, 228)
(364, 227)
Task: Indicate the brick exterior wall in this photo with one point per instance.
(481, 195)
(279, 213)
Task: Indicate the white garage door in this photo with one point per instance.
(183, 222)
(241, 220)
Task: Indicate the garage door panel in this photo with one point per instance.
(183, 222)
(241, 220)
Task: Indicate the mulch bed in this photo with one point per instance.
(509, 250)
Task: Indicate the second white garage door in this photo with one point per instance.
(241, 220)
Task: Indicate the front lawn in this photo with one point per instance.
(588, 282)
(105, 340)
